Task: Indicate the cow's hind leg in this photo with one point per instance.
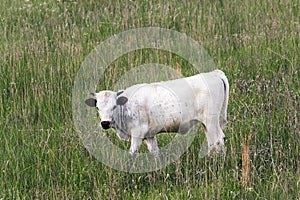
(214, 134)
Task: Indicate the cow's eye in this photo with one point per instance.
(114, 107)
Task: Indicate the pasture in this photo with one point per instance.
(43, 44)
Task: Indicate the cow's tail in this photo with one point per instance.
(223, 115)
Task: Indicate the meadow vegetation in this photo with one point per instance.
(43, 44)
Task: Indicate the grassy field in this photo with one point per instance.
(42, 46)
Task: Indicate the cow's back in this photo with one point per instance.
(165, 106)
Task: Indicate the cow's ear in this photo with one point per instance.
(121, 100)
(120, 92)
(91, 102)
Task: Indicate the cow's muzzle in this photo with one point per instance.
(105, 124)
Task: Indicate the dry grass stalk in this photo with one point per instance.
(246, 169)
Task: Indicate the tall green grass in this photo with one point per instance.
(42, 46)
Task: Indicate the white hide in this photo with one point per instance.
(144, 110)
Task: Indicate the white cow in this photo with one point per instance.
(144, 110)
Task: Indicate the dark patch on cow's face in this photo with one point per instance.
(121, 100)
(91, 102)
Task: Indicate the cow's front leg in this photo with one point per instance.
(152, 145)
(135, 145)
(123, 136)
(153, 148)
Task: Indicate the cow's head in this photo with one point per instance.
(104, 101)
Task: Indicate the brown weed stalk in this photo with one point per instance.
(246, 168)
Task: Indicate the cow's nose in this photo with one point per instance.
(105, 124)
